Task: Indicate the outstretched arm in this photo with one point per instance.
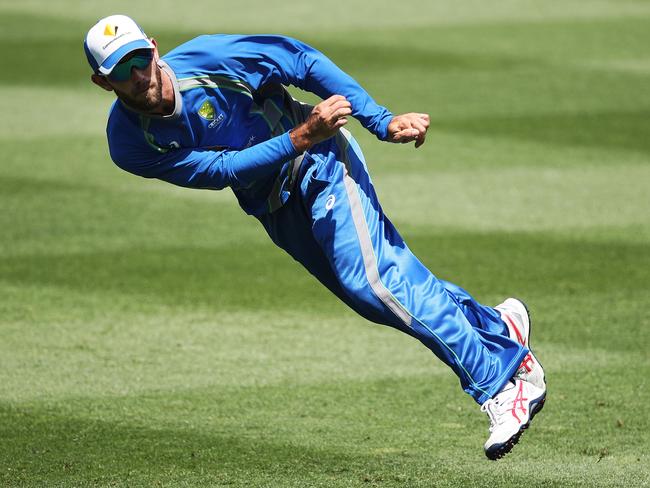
(262, 59)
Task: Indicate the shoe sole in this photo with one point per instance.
(497, 451)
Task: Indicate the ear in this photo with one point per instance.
(101, 81)
(155, 48)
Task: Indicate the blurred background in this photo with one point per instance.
(152, 335)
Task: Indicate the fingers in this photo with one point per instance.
(340, 108)
(327, 118)
(341, 112)
(419, 121)
(410, 127)
(335, 108)
(422, 132)
(417, 125)
(406, 135)
(332, 105)
(424, 123)
(333, 99)
(340, 123)
(419, 141)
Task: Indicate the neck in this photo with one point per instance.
(168, 96)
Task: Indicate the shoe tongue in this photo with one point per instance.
(510, 384)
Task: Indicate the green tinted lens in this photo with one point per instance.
(122, 70)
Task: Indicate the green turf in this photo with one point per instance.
(152, 336)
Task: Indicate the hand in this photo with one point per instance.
(324, 121)
(408, 127)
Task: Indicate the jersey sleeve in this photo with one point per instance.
(205, 168)
(262, 59)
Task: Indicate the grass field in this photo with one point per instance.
(152, 336)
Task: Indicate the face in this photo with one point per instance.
(143, 91)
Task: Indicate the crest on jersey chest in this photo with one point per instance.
(208, 112)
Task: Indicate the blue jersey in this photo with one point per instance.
(231, 118)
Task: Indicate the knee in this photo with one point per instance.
(376, 305)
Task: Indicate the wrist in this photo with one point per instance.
(300, 138)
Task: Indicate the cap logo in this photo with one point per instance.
(115, 38)
(109, 30)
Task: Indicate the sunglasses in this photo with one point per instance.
(137, 59)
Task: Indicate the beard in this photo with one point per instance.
(149, 100)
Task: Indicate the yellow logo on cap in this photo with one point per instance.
(109, 30)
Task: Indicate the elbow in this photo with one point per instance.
(209, 181)
(220, 174)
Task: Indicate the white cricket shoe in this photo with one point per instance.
(510, 413)
(515, 314)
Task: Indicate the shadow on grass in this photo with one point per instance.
(262, 276)
(626, 130)
(260, 436)
(46, 448)
(392, 432)
(18, 186)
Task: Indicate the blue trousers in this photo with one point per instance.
(334, 226)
